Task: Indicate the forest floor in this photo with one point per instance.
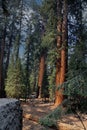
(39, 109)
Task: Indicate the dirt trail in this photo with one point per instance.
(39, 109)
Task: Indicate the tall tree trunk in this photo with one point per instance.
(62, 44)
(35, 80)
(2, 92)
(9, 46)
(59, 42)
(41, 73)
(27, 69)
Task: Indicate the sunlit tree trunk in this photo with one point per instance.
(64, 44)
(41, 73)
(61, 47)
(59, 42)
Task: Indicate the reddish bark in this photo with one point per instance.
(59, 42)
(62, 44)
(41, 73)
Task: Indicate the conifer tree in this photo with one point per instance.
(77, 62)
(31, 54)
(45, 85)
(49, 13)
(7, 15)
(57, 48)
(14, 83)
(2, 54)
(27, 66)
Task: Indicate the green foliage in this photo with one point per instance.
(77, 62)
(76, 86)
(52, 118)
(45, 87)
(48, 12)
(76, 91)
(49, 15)
(32, 53)
(32, 80)
(51, 80)
(48, 122)
(14, 83)
(48, 39)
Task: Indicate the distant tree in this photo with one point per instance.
(45, 85)
(5, 7)
(8, 49)
(2, 54)
(27, 66)
(7, 37)
(77, 59)
(41, 72)
(31, 53)
(48, 13)
(14, 83)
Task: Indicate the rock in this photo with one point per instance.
(10, 114)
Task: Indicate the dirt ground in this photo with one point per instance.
(40, 109)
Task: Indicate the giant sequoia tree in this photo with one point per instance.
(61, 64)
(55, 16)
(48, 12)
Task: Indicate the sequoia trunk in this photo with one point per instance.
(59, 42)
(64, 44)
(41, 73)
(61, 47)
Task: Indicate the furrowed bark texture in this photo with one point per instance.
(61, 46)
